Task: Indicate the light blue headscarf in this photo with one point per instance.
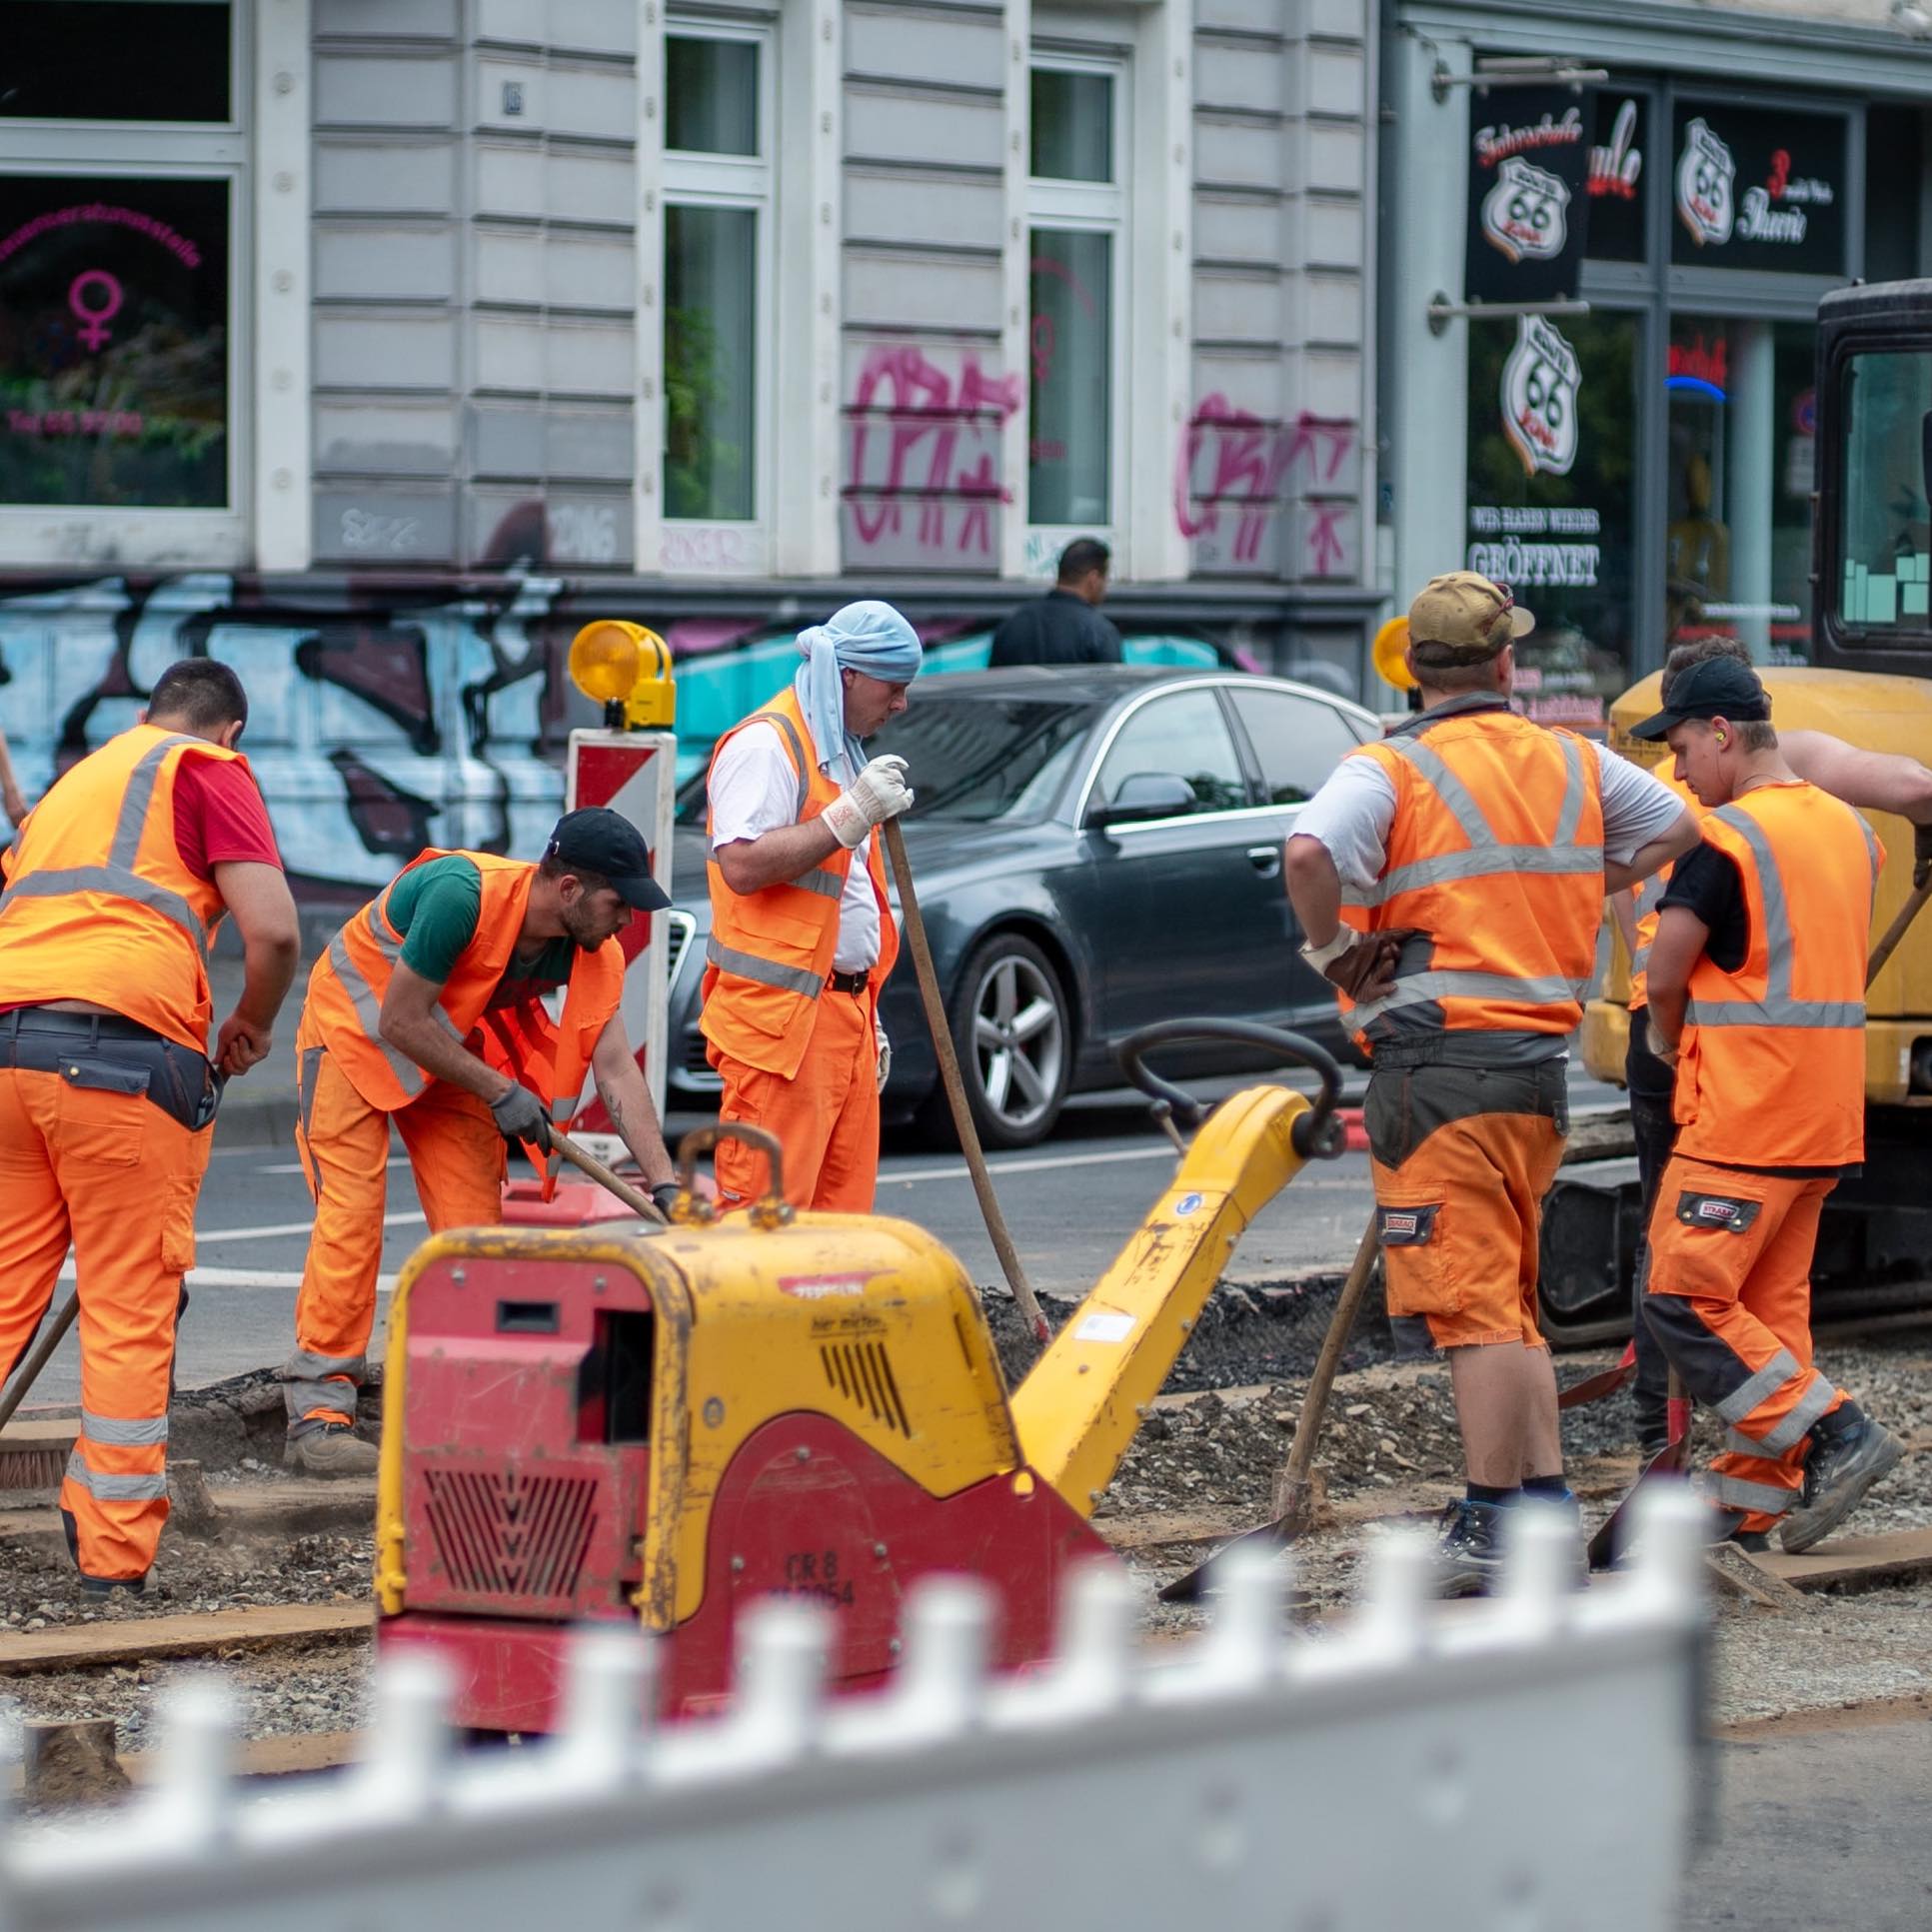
(868, 636)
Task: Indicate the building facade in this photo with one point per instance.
(375, 345)
(1606, 234)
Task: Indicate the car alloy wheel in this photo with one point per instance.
(1016, 1054)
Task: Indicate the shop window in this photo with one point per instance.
(1738, 537)
(1619, 186)
(717, 205)
(1893, 141)
(1551, 494)
(1758, 188)
(1077, 241)
(1885, 581)
(114, 60)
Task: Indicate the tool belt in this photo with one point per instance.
(105, 1052)
(852, 983)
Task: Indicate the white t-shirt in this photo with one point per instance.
(754, 789)
(1353, 811)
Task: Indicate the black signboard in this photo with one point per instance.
(1757, 188)
(1529, 167)
(113, 341)
(1619, 155)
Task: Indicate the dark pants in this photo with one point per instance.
(1650, 1083)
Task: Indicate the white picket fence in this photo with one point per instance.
(1521, 1763)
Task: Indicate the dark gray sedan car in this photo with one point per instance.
(1095, 849)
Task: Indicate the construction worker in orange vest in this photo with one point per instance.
(426, 1009)
(1449, 879)
(1756, 979)
(1870, 781)
(107, 1097)
(802, 936)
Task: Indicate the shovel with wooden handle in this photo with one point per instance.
(640, 1203)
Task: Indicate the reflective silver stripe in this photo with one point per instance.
(1767, 1381)
(1739, 1494)
(799, 757)
(118, 879)
(1576, 789)
(1417, 988)
(1797, 1425)
(1736, 1443)
(821, 879)
(1456, 796)
(1479, 861)
(119, 1434)
(768, 973)
(1777, 1007)
(369, 1016)
(109, 1488)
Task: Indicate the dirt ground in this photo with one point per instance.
(1203, 1466)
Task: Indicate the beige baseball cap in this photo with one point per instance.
(1462, 619)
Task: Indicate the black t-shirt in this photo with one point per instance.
(1705, 881)
(1059, 627)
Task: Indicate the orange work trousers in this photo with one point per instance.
(456, 1156)
(1462, 1157)
(117, 1177)
(825, 1117)
(1729, 1299)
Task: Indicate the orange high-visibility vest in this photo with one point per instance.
(349, 982)
(1648, 896)
(1495, 857)
(771, 950)
(98, 905)
(1771, 1072)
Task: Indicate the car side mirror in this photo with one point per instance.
(1145, 795)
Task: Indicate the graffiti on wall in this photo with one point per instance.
(1256, 496)
(924, 485)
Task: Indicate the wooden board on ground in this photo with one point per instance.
(138, 1639)
(1855, 1562)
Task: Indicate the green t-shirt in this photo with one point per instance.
(436, 909)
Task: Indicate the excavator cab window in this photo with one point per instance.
(613, 1381)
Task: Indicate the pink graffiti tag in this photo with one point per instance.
(1247, 460)
(95, 318)
(928, 415)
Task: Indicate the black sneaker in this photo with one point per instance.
(1837, 1473)
(1469, 1554)
(107, 1585)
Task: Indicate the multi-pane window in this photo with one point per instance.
(718, 189)
(120, 173)
(1078, 206)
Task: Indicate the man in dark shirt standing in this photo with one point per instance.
(1064, 626)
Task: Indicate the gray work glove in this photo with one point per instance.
(663, 1197)
(519, 1115)
(884, 1042)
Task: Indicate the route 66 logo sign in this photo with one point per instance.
(1524, 214)
(1706, 197)
(1539, 385)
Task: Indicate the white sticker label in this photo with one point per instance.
(1105, 1326)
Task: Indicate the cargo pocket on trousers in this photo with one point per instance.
(178, 1226)
(102, 1114)
(1420, 1277)
(1708, 1247)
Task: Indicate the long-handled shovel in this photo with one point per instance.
(638, 1203)
(935, 1018)
(1914, 904)
(1295, 1491)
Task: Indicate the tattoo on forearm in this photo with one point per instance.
(611, 1105)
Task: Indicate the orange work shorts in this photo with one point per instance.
(1462, 1157)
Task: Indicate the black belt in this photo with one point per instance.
(109, 1054)
(847, 982)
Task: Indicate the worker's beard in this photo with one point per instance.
(582, 928)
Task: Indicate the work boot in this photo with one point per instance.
(1469, 1554)
(1728, 1527)
(103, 1587)
(1842, 1465)
(330, 1450)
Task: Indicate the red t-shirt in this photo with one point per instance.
(220, 818)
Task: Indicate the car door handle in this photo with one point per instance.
(1267, 859)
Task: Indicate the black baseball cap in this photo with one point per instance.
(1717, 687)
(605, 841)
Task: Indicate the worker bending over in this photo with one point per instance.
(107, 1098)
(801, 936)
(1871, 781)
(426, 1009)
(1757, 996)
(1449, 879)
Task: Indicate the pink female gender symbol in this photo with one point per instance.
(94, 321)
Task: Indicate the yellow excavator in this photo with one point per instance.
(657, 1424)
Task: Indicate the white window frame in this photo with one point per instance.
(70, 536)
(728, 547)
(1093, 207)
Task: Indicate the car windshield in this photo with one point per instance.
(975, 760)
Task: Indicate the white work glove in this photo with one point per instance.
(884, 1052)
(879, 792)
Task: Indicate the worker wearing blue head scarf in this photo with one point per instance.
(874, 640)
(802, 935)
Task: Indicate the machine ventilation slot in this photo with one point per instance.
(498, 1533)
(862, 1372)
